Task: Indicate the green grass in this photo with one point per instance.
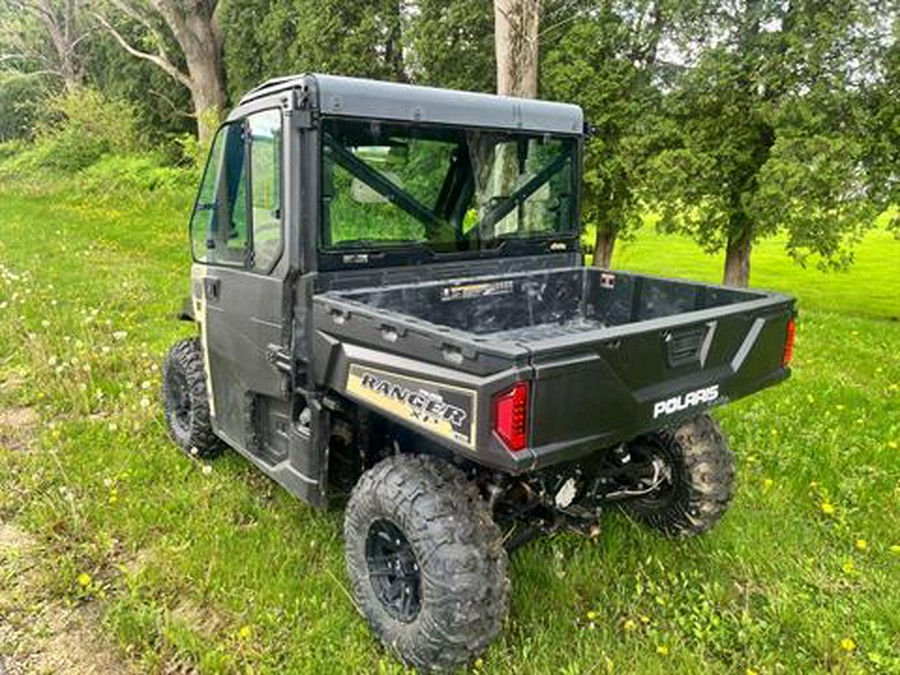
(870, 288)
(219, 570)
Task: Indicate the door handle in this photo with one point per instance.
(211, 286)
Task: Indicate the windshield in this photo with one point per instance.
(444, 188)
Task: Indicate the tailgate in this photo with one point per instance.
(595, 389)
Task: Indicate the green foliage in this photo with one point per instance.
(92, 145)
(604, 62)
(882, 131)
(762, 131)
(139, 176)
(281, 37)
(82, 126)
(451, 44)
(21, 96)
(163, 111)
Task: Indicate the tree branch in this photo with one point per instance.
(160, 59)
(146, 20)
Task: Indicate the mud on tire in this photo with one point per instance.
(419, 516)
(701, 479)
(185, 400)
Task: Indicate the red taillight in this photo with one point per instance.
(788, 344)
(511, 416)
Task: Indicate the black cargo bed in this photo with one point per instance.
(531, 307)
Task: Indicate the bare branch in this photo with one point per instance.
(146, 20)
(160, 58)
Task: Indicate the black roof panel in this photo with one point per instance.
(355, 97)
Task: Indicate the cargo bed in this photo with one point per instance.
(609, 355)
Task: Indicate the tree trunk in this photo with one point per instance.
(207, 94)
(604, 243)
(62, 28)
(201, 42)
(737, 261)
(516, 25)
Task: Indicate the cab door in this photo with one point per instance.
(239, 277)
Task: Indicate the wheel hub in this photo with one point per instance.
(179, 399)
(393, 570)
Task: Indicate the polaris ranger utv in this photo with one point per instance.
(393, 308)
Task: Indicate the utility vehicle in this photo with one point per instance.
(394, 315)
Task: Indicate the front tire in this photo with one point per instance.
(700, 478)
(426, 561)
(186, 402)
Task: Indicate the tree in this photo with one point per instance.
(163, 110)
(44, 36)
(516, 24)
(269, 38)
(194, 27)
(882, 127)
(764, 131)
(605, 57)
(451, 44)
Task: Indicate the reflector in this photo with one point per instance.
(511, 416)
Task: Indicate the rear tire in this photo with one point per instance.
(700, 483)
(186, 402)
(426, 561)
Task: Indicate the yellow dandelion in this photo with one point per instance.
(848, 567)
(591, 615)
(750, 671)
(663, 650)
(768, 483)
(245, 632)
(646, 619)
(861, 544)
(479, 664)
(629, 626)
(84, 579)
(848, 645)
(827, 508)
(892, 445)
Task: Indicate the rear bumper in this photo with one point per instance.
(550, 454)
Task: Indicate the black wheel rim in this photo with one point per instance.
(179, 401)
(393, 570)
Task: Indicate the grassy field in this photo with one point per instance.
(181, 566)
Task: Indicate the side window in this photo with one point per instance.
(240, 192)
(265, 188)
(219, 221)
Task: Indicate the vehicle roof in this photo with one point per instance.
(356, 97)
